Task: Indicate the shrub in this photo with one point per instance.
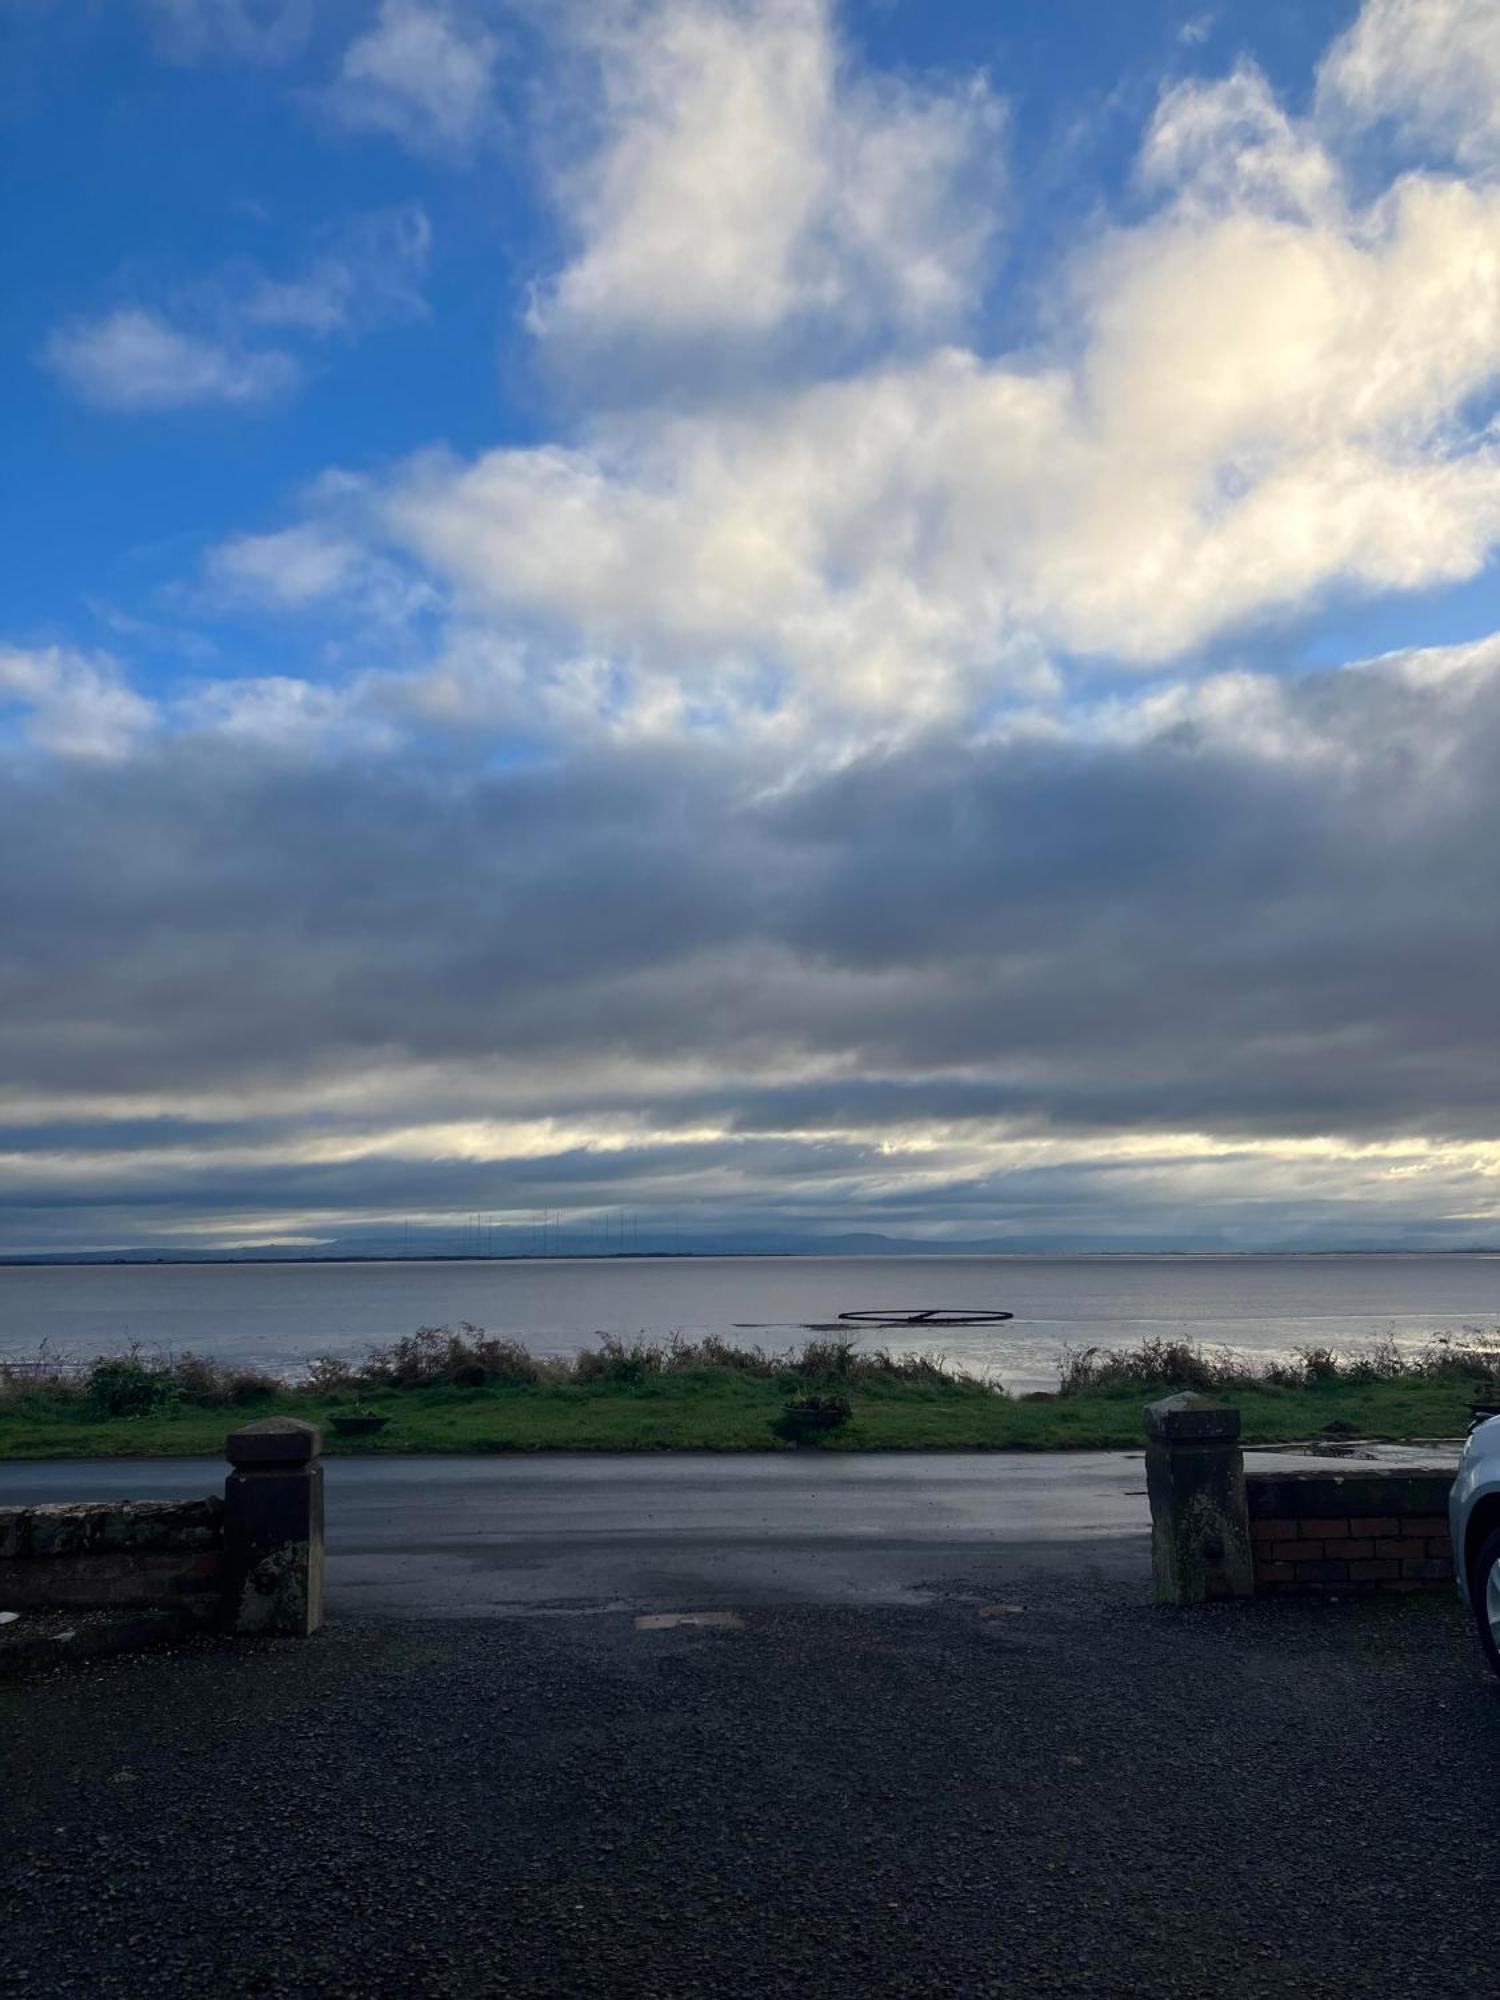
(503, 1363)
(1320, 1366)
(331, 1375)
(1154, 1364)
(193, 1378)
(124, 1386)
(198, 1381)
(829, 1360)
(714, 1351)
(840, 1360)
(1472, 1357)
(127, 1385)
(1381, 1361)
(436, 1356)
(1469, 1356)
(46, 1379)
(627, 1364)
(1283, 1374)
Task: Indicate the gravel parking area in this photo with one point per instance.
(1056, 1789)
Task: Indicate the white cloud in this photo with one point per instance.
(746, 179)
(322, 566)
(1232, 142)
(202, 348)
(280, 713)
(733, 569)
(135, 359)
(74, 706)
(1429, 698)
(1268, 408)
(1430, 67)
(289, 569)
(1265, 392)
(422, 74)
(257, 31)
(1261, 404)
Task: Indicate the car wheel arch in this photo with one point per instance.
(1484, 1518)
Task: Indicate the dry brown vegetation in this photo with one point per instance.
(1183, 1364)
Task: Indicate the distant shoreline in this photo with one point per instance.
(114, 1261)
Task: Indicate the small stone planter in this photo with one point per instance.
(809, 1417)
(358, 1424)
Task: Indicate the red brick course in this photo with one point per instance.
(1353, 1551)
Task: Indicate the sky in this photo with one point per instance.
(802, 621)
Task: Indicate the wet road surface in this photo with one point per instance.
(466, 1536)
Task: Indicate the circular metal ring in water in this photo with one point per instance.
(925, 1316)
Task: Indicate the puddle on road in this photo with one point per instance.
(1413, 1452)
(714, 1621)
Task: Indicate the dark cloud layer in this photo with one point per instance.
(1254, 912)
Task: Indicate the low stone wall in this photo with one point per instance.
(129, 1554)
(251, 1562)
(1358, 1531)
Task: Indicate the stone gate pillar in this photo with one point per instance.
(273, 1527)
(1195, 1476)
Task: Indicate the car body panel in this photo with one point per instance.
(1478, 1478)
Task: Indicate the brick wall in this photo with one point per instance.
(141, 1554)
(1331, 1531)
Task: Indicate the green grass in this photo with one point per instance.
(722, 1409)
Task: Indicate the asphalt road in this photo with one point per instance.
(474, 1536)
(470, 1536)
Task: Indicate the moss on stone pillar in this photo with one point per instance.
(1195, 1476)
(273, 1503)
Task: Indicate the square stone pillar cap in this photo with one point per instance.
(1192, 1419)
(283, 1441)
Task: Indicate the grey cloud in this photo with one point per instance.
(1176, 927)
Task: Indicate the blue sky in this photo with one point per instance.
(511, 506)
(141, 176)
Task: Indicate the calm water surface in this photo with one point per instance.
(276, 1315)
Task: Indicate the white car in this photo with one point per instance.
(1474, 1519)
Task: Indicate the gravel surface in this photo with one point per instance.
(1053, 1789)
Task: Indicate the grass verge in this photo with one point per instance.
(462, 1392)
